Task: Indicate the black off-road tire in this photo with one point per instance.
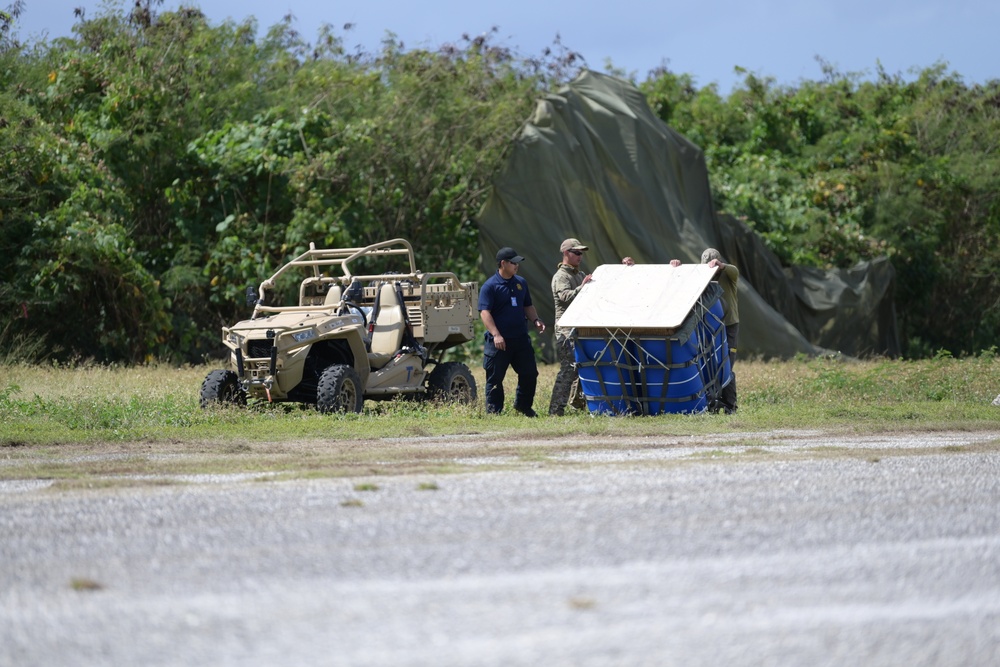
(222, 388)
(451, 382)
(340, 390)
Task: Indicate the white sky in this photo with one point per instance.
(704, 38)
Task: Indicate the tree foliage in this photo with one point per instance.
(162, 164)
(155, 164)
(845, 169)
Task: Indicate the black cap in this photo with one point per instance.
(510, 255)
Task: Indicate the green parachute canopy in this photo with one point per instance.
(594, 163)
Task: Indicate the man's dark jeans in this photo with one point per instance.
(520, 356)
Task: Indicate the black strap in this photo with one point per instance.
(409, 340)
(375, 308)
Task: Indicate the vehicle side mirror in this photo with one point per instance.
(252, 296)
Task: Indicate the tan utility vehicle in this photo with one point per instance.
(351, 336)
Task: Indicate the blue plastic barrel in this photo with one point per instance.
(669, 376)
(605, 367)
(654, 374)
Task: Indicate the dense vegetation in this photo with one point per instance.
(155, 164)
(844, 169)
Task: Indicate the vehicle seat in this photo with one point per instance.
(311, 292)
(332, 296)
(387, 334)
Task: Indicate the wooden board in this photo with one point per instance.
(643, 296)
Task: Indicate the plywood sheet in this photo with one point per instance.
(643, 296)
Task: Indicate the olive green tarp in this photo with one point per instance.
(593, 162)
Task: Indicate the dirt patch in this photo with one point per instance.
(103, 466)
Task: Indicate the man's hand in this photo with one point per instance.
(499, 342)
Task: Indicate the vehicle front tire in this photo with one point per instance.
(451, 382)
(339, 390)
(222, 388)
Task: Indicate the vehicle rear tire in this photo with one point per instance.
(340, 390)
(451, 382)
(222, 388)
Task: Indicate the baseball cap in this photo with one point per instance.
(510, 255)
(709, 255)
(572, 244)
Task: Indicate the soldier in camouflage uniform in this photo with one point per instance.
(566, 284)
(727, 276)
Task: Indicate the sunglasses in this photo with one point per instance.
(576, 252)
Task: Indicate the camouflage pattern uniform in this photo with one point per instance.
(728, 276)
(566, 284)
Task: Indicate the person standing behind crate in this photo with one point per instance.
(727, 276)
(566, 284)
(505, 308)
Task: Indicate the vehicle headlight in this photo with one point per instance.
(235, 338)
(303, 336)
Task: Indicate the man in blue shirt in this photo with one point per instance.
(505, 308)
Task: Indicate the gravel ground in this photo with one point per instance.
(614, 559)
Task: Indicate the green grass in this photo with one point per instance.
(49, 405)
(90, 422)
